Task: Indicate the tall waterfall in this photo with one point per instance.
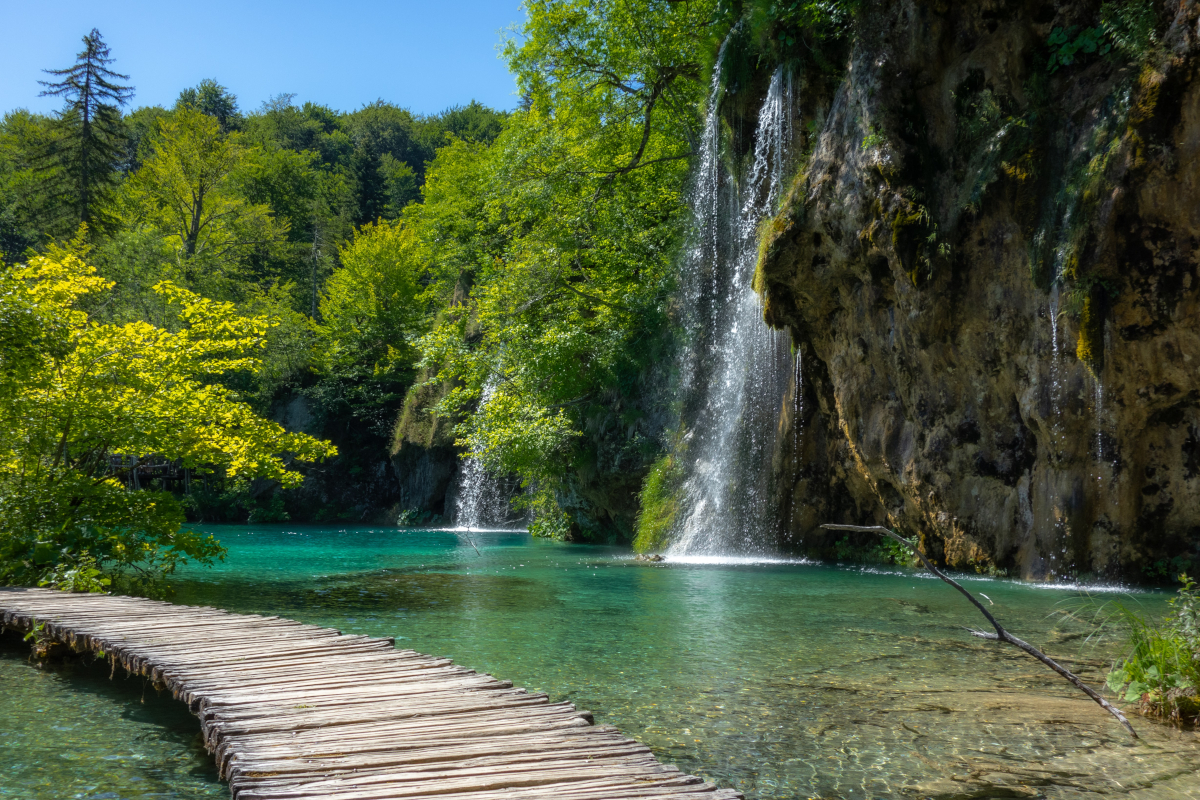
(737, 369)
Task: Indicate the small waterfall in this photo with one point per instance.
(797, 424)
(797, 411)
(1055, 378)
(481, 500)
(737, 369)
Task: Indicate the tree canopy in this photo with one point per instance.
(509, 273)
(90, 400)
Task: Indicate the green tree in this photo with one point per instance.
(193, 190)
(372, 312)
(580, 216)
(84, 402)
(213, 99)
(473, 122)
(90, 142)
(28, 211)
(385, 138)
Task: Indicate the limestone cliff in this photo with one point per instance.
(988, 263)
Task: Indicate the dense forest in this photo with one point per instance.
(363, 258)
(509, 286)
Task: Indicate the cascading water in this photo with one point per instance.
(481, 501)
(737, 369)
(797, 422)
(1055, 378)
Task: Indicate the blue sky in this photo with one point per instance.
(421, 55)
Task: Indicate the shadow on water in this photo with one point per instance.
(386, 590)
(72, 728)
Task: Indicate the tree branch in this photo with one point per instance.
(1001, 634)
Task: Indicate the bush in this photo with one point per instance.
(1161, 673)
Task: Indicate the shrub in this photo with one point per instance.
(1161, 673)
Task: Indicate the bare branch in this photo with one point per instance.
(1001, 634)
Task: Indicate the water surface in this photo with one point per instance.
(781, 679)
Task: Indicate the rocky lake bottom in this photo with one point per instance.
(780, 678)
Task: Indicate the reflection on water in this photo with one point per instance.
(783, 680)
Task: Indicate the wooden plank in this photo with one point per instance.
(292, 711)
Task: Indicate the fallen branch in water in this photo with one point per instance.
(467, 535)
(1001, 634)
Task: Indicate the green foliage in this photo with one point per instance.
(1065, 45)
(874, 139)
(534, 249)
(1130, 26)
(989, 134)
(372, 312)
(826, 17)
(273, 511)
(659, 504)
(191, 191)
(372, 306)
(1185, 617)
(1162, 669)
(1126, 26)
(80, 161)
(890, 551)
(90, 399)
(32, 202)
(414, 518)
(273, 210)
(213, 99)
(554, 247)
(81, 575)
(804, 30)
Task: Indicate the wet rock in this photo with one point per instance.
(967, 379)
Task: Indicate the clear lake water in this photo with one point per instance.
(782, 679)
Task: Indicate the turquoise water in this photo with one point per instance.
(783, 680)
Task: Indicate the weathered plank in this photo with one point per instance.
(292, 711)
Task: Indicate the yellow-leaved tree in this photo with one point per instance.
(81, 400)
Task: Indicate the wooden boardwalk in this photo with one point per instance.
(296, 711)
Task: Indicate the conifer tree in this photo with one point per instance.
(85, 154)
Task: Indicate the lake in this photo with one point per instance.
(781, 678)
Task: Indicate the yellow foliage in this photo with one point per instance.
(92, 396)
(1088, 348)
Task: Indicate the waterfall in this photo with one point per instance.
(1055, 378)
(481, 500)
(736, 370)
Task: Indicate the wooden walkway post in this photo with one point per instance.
(297, 711)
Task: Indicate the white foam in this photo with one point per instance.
(721, 560)
(1062, 586)
(461, 529)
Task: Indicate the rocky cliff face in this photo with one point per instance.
(424, 455)
(989, 269)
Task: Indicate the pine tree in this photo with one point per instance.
(85, 154)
